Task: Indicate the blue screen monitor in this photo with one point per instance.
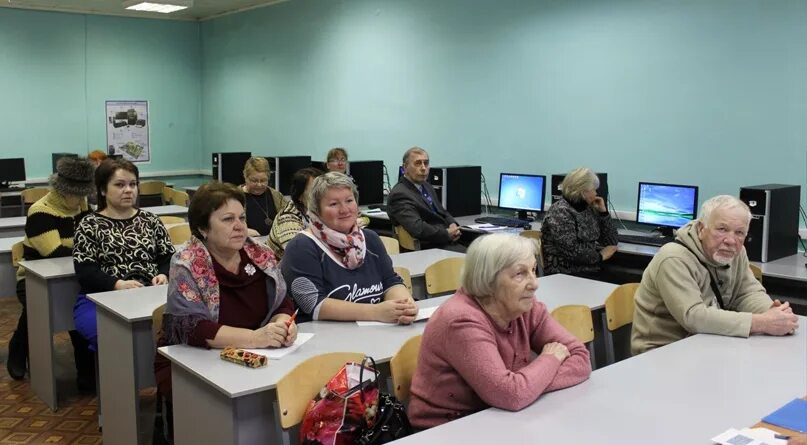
(524, 193)
(666, 206)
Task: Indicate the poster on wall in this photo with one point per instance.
(127, 129)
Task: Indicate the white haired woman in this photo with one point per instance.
(577, 233)
(478, 347)
(337, 271)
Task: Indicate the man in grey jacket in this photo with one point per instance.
(702, 283)
(413, 204)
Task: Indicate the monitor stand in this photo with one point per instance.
(522, 215)
(666, 232)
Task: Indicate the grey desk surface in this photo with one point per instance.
(686, 392)
(50, 268)
(419, 260)
(559, 289)
(167, 210)
(132, 304)
(12, 222)
(6, 243)
(789, 268)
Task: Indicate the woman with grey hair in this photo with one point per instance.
(337, 271)
(577, 233)
(479, 347)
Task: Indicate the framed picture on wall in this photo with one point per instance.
(127, 129)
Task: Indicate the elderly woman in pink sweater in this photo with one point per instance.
(477, 349)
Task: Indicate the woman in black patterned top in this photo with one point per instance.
(577, 233)
(119, 246)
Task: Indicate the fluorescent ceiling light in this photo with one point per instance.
(163, 6)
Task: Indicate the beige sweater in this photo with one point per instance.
(675, 298)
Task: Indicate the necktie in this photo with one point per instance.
(428, 198)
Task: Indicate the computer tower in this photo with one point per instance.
(283, 170)
(56, 156)
(774, 228)
(369, 179)
(556, 193)
(458, 188)
(229, 166)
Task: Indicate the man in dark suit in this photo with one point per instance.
(413, 204)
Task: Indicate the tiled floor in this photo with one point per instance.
(24, 419)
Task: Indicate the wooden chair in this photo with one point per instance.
(16, 253)
(391, 245)
(402, 367)
(757, 271)
(301, 384)
(618, 313)
(576, 318)
(535, 235)
(168, 195)
(405, 239)
(151, 193)
(179, 233)
(443, 276)
(170, 220)
(253, 233)
(30, 196)
(405, 275)
(180, 198)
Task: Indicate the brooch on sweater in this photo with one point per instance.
(249, 269)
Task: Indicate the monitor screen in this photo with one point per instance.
(666, 205)
(12, 170)
(521, 192)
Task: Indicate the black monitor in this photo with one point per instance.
(11, 170)
(283, 169)
(369, 179)
(666, 206)
(524, 193)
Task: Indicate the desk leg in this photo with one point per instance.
(118, 379)
(241, 420)
(50, 309)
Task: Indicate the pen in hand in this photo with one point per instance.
(293, 316)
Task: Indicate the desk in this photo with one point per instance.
(8, 274)
(168, 210)
(683, 393)
(241, 399)
(417, 262)
(51, 289)
(12, 226)
(125, 356)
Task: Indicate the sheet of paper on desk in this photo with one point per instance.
(274, 354)
(491, 228)
(749, 436)
(375, 212)
(423, 314)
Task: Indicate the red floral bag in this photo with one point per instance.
(344, 408)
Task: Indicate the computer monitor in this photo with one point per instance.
(11, 170)
(524, 193)
(666, 206)
(369, 178)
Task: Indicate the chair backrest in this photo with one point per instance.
(444, 275)
(403, 365)
(391, 245)
(152, 188)
(535, 235)
(180, 198)
(757, 271)
(576, 318)
(169, 220)
(253, 233)
(32, 195)
(405, 275)
(157, 322)
(179, 233)
(16, 253)
(619, 306)
(405, 239)
(168, 195)
(301, 384)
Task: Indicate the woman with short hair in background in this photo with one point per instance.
(262, 201)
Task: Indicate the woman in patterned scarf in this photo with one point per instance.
(336, 270)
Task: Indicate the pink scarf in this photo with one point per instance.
(349, 248)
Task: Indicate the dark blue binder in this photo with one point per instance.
(792, 416)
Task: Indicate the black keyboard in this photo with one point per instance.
(501, 221)
(647, 240)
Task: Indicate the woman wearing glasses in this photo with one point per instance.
(337, 160)
(262, 201)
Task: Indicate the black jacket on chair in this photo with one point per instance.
(407, 207)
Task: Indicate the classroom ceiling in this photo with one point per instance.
(201, 9)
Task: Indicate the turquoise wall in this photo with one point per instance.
(56, 71)
(700, 92)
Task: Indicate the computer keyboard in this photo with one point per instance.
(647, 240)
(501, 221)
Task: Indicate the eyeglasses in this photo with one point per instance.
(258, 181)
(338, 160)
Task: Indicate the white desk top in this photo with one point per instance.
(419, 260)
(50, 268)
(683, 393)
(192, 188)
(559, 289)
(12, 222)
(789, 268)
(132, 304)
(6, 243)
(380, 342)
(167, 210)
